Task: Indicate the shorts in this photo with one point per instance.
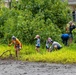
(47, 47)
(18, 46)
(58, 47)
(70, 36)
(38, 46)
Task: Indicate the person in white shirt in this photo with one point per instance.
(55, 45)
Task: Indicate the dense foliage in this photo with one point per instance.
(27, 18)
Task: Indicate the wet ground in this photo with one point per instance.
(11, 67)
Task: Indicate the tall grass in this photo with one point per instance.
(28, 53)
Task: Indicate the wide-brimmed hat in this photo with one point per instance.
(37, 36)
(70, 22)
(50, 40)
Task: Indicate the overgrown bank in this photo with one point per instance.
(28, 53)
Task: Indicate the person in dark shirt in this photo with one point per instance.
(65, 38)
(69, 30)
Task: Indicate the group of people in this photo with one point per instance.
(50, 44)
(68, 36)
(53, 45)
(18, 44)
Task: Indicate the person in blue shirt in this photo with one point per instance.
(37, 37)
(65, 38)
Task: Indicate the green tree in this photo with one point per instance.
(27, 18)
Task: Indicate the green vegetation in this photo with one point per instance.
(27, 18)
(28, 53)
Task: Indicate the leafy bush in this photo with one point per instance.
(74, 35)
(26, 19)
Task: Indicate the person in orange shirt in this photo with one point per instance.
(17, 45)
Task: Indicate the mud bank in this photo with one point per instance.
(11, 67)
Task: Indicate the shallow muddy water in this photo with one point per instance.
(11, 67)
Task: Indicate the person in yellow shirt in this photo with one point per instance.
(17, 45)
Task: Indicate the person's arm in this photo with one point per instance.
(74, 26)
(47, 44)
(67, 29)
(52, 47)
(10, 43)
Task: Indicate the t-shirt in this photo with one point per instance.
(47, 44)
(64, 36)
(17, 42)
(71, 28)
(38, 42)
(55, 43)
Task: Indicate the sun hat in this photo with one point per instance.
(13, 37)
(50, 40)
(37, 36)
(70, 22)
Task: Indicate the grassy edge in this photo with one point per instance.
(28, 53)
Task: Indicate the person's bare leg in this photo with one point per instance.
(48, 50)
(17, 51)
(37, 49)
(70, 41)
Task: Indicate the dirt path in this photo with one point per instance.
(10, 67)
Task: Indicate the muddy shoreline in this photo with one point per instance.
(14, 67)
